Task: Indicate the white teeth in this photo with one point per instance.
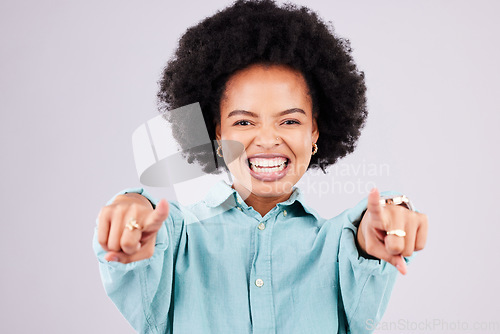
(261, 165)
(267, 170)
(260, 162)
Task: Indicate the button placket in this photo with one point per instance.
(261, 295)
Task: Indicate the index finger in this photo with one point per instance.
(103, 228)
(156, 218)
(373, 205)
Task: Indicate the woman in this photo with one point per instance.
(280, 94)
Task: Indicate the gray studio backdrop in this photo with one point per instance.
(77, 78)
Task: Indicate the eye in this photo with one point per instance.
(290, 122)
(242, 123)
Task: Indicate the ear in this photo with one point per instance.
(315, 131)
(217, 132)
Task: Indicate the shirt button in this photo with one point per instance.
(239, 208)
(284, 213)
(239, 200)
(259, 282)
(261, 226)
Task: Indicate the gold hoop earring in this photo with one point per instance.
(219, 151)
(315, 149)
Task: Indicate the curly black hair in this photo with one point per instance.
(259, 31)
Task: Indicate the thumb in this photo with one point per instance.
(123, 258)
(399, 262)
(156, 218)
(112, 256)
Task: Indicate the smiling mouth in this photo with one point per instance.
(267, 165)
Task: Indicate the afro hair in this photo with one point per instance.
(260, 31)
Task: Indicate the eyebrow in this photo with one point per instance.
(252, 114)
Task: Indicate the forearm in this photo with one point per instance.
(133, 286)
(366, 283)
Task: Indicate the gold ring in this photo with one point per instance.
(132, 224)
(398, 233)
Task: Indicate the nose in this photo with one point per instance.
(267, 137)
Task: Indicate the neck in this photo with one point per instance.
(261, 204)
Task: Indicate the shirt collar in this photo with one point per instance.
(218, 194)
(222, 191)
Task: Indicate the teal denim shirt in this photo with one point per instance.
(220, 267)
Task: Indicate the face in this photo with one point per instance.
(267, 129)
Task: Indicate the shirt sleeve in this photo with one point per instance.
(142, 290)
(366, 284)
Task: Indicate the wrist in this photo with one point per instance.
(361, 244)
